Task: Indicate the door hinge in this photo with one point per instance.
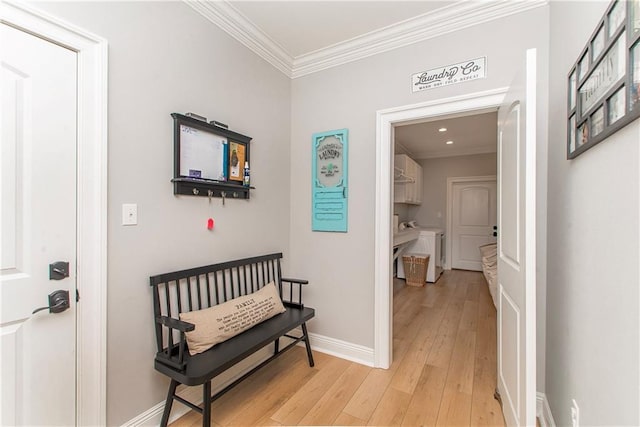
(77, 296)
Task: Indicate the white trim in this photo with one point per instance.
(530, 244)
(543, 411)
(153, 415)
(422, 27)
(442, 21)
(92, 200)
(449, 224)
(342, 349)
(385, 120)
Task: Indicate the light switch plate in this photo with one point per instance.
(129, 214)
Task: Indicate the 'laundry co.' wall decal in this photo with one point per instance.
(451, 74)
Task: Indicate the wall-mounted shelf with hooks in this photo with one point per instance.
(195, 187)
(209, 160)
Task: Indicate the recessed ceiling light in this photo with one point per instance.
(449, 142)
(442, 130)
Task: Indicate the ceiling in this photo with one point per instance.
(475, 134)
(301, 27)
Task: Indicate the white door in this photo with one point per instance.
(38, 95)
(517, 247)
(474, 205)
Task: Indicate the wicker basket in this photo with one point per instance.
(415, 268)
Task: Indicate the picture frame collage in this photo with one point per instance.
(604, 83)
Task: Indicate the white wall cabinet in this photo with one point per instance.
(407, 180)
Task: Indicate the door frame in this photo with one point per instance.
(449, 227)
(91, 240)
(385, 121)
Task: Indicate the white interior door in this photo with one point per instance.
(517, 248)
(474, 205)
(38, 95)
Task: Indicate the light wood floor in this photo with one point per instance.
(443, 373)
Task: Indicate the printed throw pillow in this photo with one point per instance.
(216, 324)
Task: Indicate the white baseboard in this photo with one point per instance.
(543, 411)
(342, 349)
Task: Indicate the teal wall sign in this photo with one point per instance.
(329, 177)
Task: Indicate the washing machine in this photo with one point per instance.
(430, 241)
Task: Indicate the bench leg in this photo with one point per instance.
(306, 343)
(276, 346)
(206, 404)
(169, 402)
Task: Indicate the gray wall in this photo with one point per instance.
(341, 266)
(164, 58)
(433, 210)
(592, 302)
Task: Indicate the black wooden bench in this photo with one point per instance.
(203, 287)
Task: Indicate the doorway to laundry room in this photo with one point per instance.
(444, 318)
(445, 196)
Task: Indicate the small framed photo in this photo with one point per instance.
(597, 121)
(237, 157)
(572, 91)
(616, 17)
(616, 106)
(597, 45)
(635, 75)
(572, 134)
(634, 6)
(583, 135)
(583, 67)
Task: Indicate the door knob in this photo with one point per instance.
(58, 302)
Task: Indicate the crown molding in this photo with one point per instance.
(234, 23)
(462, 14)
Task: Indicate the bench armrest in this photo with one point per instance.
(173, 353)
(300, 281)
(289, 299)
(172, 323)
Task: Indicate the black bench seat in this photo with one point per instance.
(203, 287)
(204, 366)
